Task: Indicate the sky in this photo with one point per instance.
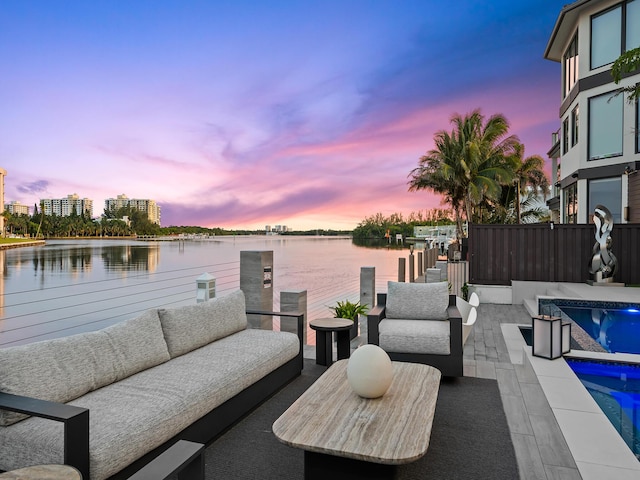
(241, 114)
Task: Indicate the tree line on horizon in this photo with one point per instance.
(379, 226)
(112, 224)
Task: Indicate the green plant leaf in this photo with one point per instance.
(349, 310)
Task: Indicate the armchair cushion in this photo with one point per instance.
(410, 336)
(417, 301)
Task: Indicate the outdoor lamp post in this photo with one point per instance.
(206, 290)
(547, 336)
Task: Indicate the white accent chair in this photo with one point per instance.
(474, 300)
(468, 313)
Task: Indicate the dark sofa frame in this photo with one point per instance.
(204, 431)
(449, 365)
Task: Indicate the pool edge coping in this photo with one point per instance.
(591, 419)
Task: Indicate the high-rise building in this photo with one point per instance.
(150, 207)
(3, 172)
(16, 208)
(62, 207)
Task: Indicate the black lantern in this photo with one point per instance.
(547, 336)
(566, 337)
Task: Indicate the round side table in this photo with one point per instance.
(324, 328)
(43, 472)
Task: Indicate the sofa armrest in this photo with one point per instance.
(298, 315)
(184, 458)
(75, 419)
(375, 315)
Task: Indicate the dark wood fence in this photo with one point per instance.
(501, 253)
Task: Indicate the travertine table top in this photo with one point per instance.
(330, 323)
(331, 418)
(43, 472)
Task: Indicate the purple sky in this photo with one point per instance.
(240, 113)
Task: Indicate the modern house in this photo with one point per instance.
(596, 153)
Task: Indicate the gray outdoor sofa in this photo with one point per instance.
(123, 395)
(420, 323)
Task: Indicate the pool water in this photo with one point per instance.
(616, 389)
(617, 331)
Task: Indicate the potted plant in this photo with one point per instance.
(350, 311)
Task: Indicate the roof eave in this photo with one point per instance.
(563, 27)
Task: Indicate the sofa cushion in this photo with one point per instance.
(410, 336)
(63, 369)
(129, 347)
(191, 327)
(131, 417)
(417, 301)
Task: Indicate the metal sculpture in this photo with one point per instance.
(603, 263)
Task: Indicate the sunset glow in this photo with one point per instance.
(309, 114)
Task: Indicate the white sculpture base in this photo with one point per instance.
(605, 284)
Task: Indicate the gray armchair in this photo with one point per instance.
(420, 323)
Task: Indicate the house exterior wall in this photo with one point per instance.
(577, 171)
(634, 198)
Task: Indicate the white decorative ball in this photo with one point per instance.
(369, 371)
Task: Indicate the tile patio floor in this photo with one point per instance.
(540, 447)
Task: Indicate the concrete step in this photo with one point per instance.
(568, 292)
(557, 293)
(531, 304)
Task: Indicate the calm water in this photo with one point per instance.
(76, 285)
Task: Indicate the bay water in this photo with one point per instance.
(70, 286)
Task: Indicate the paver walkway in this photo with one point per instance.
(540, 447)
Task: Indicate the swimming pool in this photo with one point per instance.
(617, 330)
(615, 387)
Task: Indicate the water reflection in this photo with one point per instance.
(75, 259)
(378, 243)
(614, 330)
(131, 258)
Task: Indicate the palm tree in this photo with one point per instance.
(530, 183)
(469, 165)
(437, 171)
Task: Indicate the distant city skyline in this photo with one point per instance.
(243, 114)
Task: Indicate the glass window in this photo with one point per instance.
(606, 34)
(565, 135)
(574, 125)
(607, 192)
(633, 25)
(571, 203)
(571, 65)
(605, 126)
(637, 127)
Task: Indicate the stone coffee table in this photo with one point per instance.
(346, 436)
(43, 472)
